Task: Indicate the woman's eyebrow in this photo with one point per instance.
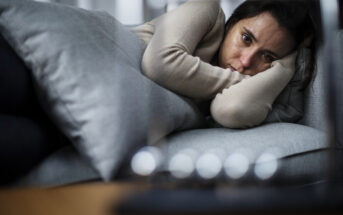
(250, 34)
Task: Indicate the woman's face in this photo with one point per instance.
(253, 43)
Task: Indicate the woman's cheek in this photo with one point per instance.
(231, 51)
(263, 67)
(225, 57)
(236, 48)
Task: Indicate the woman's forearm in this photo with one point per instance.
(197, 79)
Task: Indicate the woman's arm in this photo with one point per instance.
(183, 43)
(247, 103)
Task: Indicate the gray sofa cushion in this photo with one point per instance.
(86, 69)
(286, 140)
(290, 138)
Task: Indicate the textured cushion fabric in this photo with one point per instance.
(86, 69)
(339, 79)
(316, 102)
(310, 166)
(285, 139)
(315, 109)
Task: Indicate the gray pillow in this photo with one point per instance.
(86, 69)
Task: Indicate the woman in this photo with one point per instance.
(241, 67)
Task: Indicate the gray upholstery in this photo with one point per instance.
(315, 100)
(289, 138)
(339, 78)
(302, 145)
(286, 140)
(309, 166)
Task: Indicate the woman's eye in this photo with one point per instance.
(246, 39)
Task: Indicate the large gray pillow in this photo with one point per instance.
(86, 69)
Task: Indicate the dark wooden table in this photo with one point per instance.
(90, 198)
(141, 198)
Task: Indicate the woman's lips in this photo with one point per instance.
(232, 68)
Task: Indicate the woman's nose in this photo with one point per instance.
(246, 57)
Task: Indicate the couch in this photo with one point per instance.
(301, 147)
(307, 142)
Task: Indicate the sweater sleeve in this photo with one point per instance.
(247, 103)
(194, 28)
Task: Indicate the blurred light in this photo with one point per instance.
(208, 165)
(266, 166)
(157, 4)
(182, 164)
(146, 161)
(236, 165)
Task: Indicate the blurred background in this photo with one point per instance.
(135, 12)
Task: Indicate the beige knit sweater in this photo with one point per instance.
(180, 47)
